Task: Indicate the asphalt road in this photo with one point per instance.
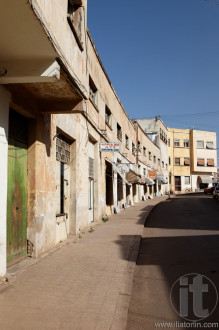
(181, 236)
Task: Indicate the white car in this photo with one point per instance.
(216, 192)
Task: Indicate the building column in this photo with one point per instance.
(4, 117)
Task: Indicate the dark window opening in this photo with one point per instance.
(62, 191)
(119, 132)
(108, 116)
(75, 20)
(92, 91)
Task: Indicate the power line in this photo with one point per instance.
(191, 114)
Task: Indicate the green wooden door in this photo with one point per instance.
(17, 187)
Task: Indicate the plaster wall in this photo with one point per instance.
(4, 113)
(51, 12)
(204, 153)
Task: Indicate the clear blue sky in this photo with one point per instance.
(162, 57)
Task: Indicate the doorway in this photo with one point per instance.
(17, 187)
(177, 183)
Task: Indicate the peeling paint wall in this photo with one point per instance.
(53, 11)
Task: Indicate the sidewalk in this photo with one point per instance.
(83, 285)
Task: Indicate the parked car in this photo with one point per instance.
(209, 190)
(216, 192)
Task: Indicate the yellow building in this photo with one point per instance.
(192, 159)
(179, 159)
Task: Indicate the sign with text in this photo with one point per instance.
(123, 167)
(110, 146)
(152, 175)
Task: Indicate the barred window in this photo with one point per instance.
(62, 149)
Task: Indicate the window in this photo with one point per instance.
(169, 160)
(200, 162)
(158, 161)
(92, 91)
(108, 116)
(186, 161)
(187, 179)
(170, 179)
(166, 167)
(176, 142)
(139, 146)
(200, 144)
(91, 183)
(75, 19)
(144, 171)
(162, 164)
(177, 161)
(62, 149)
(149, 155)
(133, 149)
(63, 156)
(186, 143)
(168, 142)
(127, 141)
(144, 151)
(210, 162)
(163, 136)
(209, 145)
(119, 132)
(154, 159)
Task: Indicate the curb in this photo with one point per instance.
(122, 306)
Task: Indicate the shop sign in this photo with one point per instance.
(110, 146)
(152, 175)
(123, 167)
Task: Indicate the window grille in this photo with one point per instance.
(91, 168)
(62, 150)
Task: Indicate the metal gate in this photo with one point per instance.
(17, 187)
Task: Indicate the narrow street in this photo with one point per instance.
(181, 236)
(83, 285)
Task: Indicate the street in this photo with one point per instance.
(85, 284)
(180, 237)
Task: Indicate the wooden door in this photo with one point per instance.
(177, 183)
(17, 187)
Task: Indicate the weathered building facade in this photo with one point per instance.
(57, 106)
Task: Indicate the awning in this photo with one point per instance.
(161, 179)
(186, 161)
(143, 180)
(133, 177)
(200, 162)
(149, 182)
(116, 170)
(210, 162)
(204, 179)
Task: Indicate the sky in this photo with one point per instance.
(162, 57)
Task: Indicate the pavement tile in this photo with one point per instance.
(83, 285)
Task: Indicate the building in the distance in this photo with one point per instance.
(157, 132)
(204, 158)
(192, 159)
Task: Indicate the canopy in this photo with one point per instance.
(204, 179)
(116, 170)
(133, 177)
(161, 179)
(149, 182)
